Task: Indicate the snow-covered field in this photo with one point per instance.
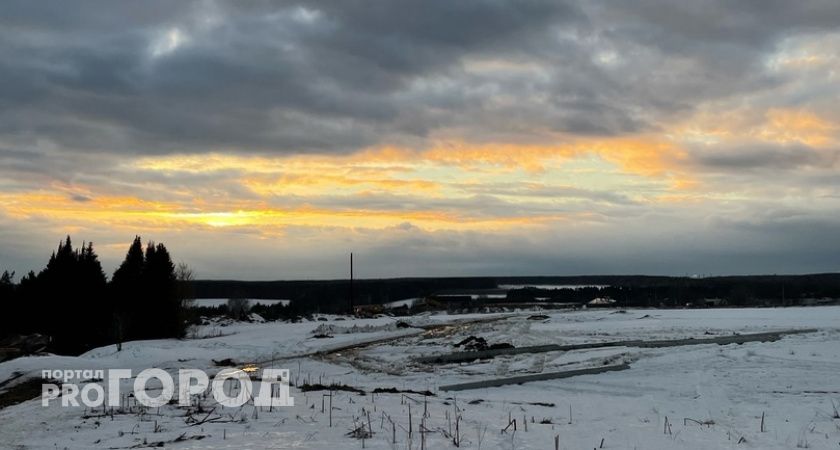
(713, 396)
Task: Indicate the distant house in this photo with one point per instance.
(714, 302)
(406, 302)
(404, 306)
(601, 301)
(452, 301)
(368, 310)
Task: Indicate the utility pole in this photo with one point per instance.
(351, 282)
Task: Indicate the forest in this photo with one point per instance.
(72, 302)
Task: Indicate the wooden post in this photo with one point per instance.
(351, 282)
(423, 434)
(458, 430)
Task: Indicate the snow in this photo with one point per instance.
(601, 301)
(408, 302)
(792, 382)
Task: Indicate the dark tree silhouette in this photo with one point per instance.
(96, 313)
(126, 290)
(146, 291)
(26, 300)
(131, 269)
(161, 306)
(66, 300)
(9, 303)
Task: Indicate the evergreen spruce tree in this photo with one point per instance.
(126, 292)
(71, 301)
(130, 270)
(162, 294)
(25, 294)
(97, 312)
(66, 299)
(9, 303)
(54, 300)
(146, 290)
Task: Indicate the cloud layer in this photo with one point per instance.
(432, 137)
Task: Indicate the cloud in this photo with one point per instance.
(335, 77)
(765, 157)
(80, 198)
(323, 119)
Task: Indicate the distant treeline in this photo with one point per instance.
(333, 296)
(627, 290)
(635, 291)
(73, 303)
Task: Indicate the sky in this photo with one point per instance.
(268, 140)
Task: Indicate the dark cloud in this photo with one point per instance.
(88, 86)
(764, 157)
(530, 190)
(336, 76)
(797, 245)
(282, 77)
(80, 198)
(708, 23)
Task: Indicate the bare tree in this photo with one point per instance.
(238, 307)
(186, 290)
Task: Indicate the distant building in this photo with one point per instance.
(368, 310)
(714, 302)
(601, 301)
